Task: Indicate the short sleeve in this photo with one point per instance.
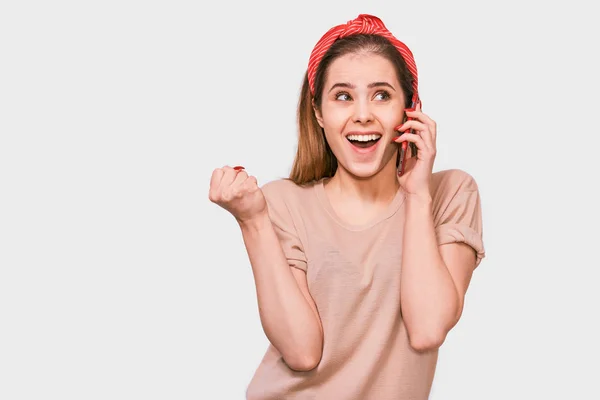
(283, 224)
(457, 212)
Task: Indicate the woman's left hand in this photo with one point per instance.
(417, 176)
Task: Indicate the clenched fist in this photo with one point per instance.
(238, 193)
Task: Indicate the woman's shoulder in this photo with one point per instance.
(285, 189)
(279, 184)
(451, 181)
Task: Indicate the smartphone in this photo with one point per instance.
(403, 149)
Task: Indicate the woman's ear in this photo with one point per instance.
(317, 114)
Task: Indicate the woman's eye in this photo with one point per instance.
(382, 95)
(343, 96)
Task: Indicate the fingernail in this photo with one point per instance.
(238, 168)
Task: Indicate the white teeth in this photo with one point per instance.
(363, 138)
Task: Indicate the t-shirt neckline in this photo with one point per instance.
(389, 211)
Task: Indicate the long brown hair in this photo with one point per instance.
(314, 159)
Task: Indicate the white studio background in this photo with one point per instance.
(120, 280)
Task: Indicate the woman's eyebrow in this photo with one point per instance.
(376, 84)
(370, 86)
(342, 84)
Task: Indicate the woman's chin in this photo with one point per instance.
(364, 170)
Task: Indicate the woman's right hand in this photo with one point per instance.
(237, 192)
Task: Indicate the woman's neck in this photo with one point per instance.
(379, 189)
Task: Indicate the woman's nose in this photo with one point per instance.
(362, 112)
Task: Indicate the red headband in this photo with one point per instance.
(364, 23)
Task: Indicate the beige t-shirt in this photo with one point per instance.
(353, 275)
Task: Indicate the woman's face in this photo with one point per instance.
(362, 104)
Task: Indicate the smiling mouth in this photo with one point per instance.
(363, 141)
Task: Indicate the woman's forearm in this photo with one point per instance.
(290, 323)
(429, 298)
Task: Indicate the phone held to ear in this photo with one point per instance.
(404, 146)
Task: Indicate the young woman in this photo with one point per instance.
(361, 261)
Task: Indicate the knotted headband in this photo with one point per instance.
(367, 24)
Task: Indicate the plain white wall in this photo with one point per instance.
(120, 280)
